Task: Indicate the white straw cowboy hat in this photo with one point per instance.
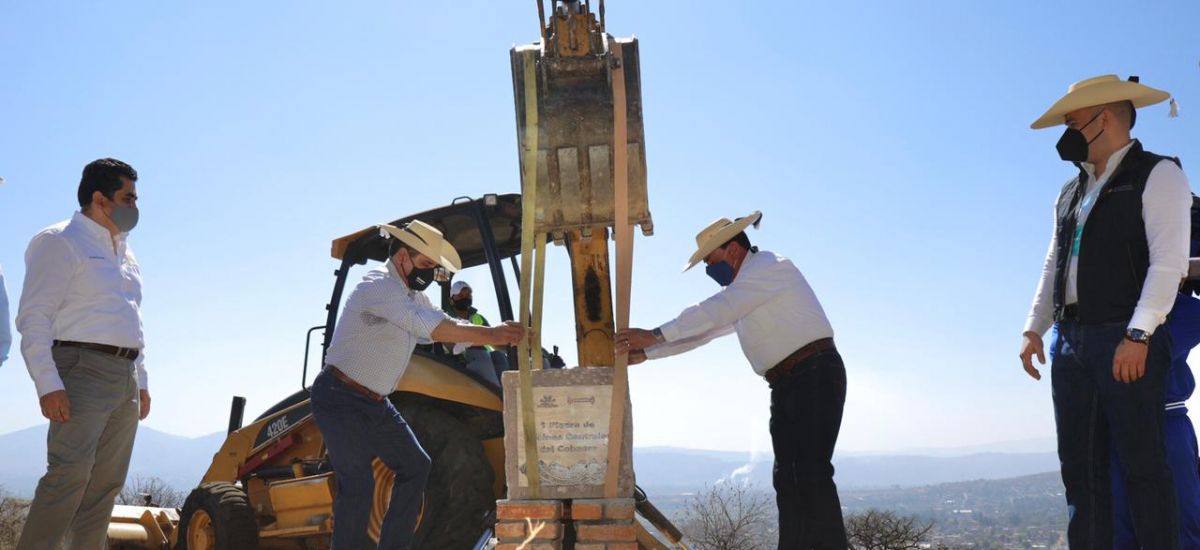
(1099, 91)
(718, 233)
(427, 240)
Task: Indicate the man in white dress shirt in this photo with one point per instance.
(789, 342)
(385, 317)
(81, 336)
(1117, 255)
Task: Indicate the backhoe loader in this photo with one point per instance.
(270, 484)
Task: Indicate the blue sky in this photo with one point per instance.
(888, 145)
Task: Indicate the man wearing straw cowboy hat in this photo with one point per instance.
(789, 342)
(385, 317)
(1117, 255)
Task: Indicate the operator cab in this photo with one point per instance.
(485, 232)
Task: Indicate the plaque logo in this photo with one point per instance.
(548, 402)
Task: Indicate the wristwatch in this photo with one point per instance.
(1137, 336)
(658, 336)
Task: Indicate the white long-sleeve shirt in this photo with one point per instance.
(1166, 212)
(82, 285)
(5, 332)
(769, 305)
(382, 323)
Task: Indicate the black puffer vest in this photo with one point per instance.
(1113, 253)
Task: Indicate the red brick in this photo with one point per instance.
(602, 508)
(587, 509)
(518, 530)
(619, 508)
(556, 545)
(606, 532)
(606, 546)
(510, 530)
(531, 509)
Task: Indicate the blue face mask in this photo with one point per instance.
(721, 272)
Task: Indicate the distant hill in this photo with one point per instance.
(670, 470)
(180, 461)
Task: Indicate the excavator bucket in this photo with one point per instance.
(142, 527)
(563, 87)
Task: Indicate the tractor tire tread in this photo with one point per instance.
(458, 493)
(229, 508)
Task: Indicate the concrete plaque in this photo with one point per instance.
(571, 412)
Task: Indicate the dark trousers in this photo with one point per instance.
(806, 415)
(1094, 411)
(356, 431)
(1180, 438)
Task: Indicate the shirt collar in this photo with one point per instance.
(1113, 160)
(94, 229)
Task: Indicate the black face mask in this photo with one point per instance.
(420, 278)
(463, 303)
(1073, 145)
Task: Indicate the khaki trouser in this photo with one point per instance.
(88, 456)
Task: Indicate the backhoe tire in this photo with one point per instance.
(217, 516)
(458, 494)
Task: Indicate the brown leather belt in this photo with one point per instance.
(799, 356)
(123, 353)
(349, 382)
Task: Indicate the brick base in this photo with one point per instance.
(606, 546)
(529, 509)
(600, 524)
(532, 530)
(593, 509)
(556, 545)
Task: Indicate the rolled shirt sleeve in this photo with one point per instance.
(1166, 211)
(50, 265)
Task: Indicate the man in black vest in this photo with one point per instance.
(1117, 256)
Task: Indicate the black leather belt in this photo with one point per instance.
(799, 356)
(123, 353)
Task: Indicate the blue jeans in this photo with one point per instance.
(356, 431)
(1180, 437)
(1178, 434)
(1093, 412)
